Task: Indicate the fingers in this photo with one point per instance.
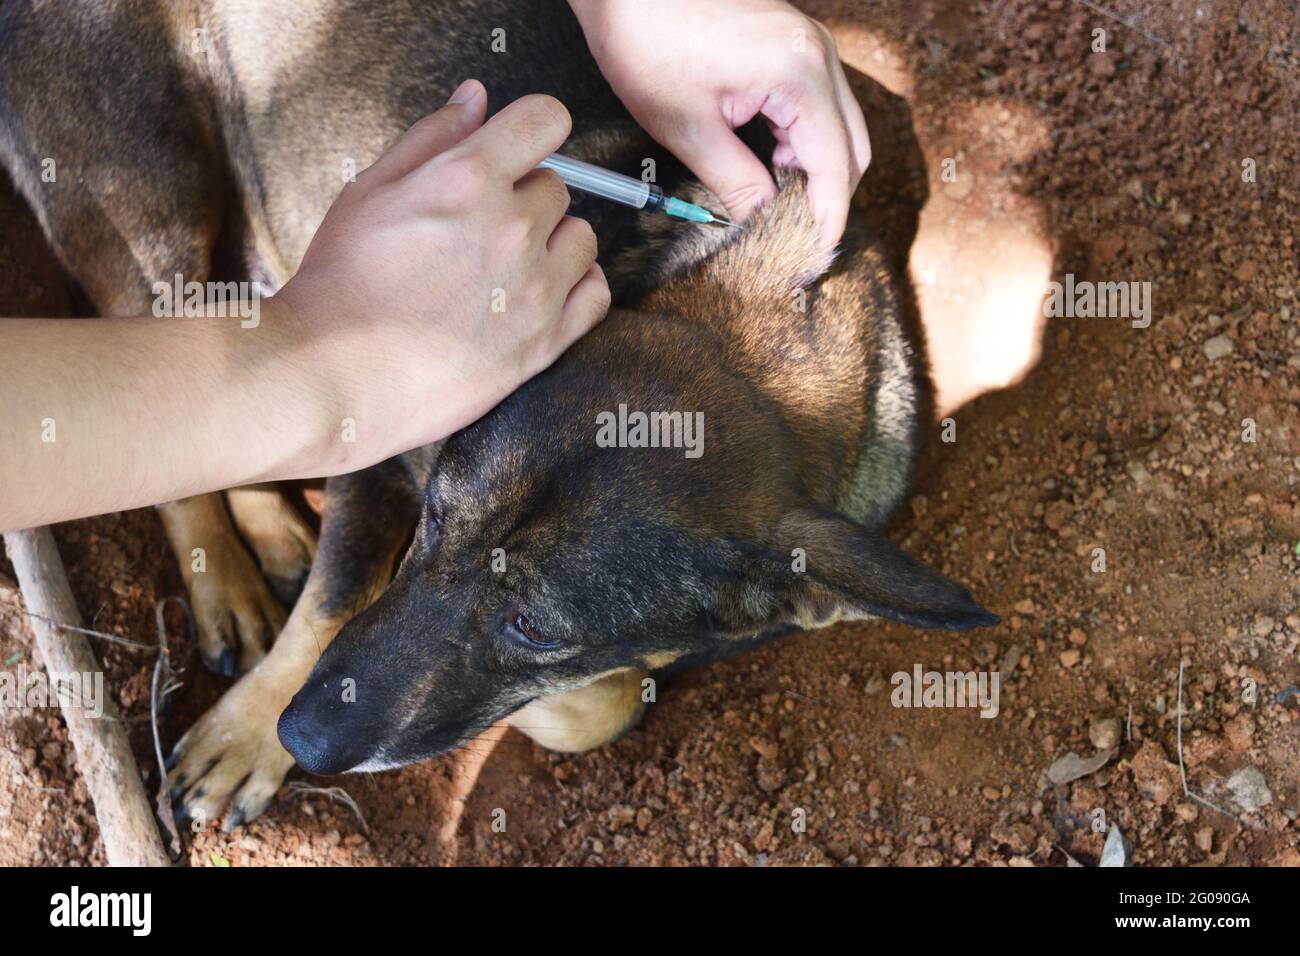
(515, 140)
(728, 167)
(821, 145)
(434, 134)
(546, 198)
(579, 283)
(572, 250)
(856, 123)
(576, 293)
(586, 305)
(819, 127)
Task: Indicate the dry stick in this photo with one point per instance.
(1181, 771)
(103, 753)
(336, 794)
(160, 688)
(1131, 23)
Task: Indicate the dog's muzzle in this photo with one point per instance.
(316, 745)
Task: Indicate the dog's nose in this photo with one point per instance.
(315, 750)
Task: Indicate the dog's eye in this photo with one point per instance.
(432, 527)
(525, 629)
(428, 536)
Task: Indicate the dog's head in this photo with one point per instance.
(558, 544)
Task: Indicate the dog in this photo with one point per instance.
(709, 469)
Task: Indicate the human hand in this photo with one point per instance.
(694, 70)
(447, 274)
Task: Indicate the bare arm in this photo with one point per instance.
(108, 414)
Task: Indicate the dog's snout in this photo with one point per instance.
(316, 745)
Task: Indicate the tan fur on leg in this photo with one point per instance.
(586, 718)
(236, 614)
(283, 541)
(233, 753)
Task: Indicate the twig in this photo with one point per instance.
(807, 700)
(1131, 23)
(1069, 860)
(32, 783)
(75, 629)
(162, 686)
(1181, 771)
(103, 752)
(336, 794)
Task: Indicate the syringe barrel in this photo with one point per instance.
(600, 182)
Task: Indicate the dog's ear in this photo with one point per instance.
(825, 568)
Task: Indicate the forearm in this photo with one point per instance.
(107, 414)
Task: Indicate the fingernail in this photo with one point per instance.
(464, 93)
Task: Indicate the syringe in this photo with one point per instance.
(624, 189)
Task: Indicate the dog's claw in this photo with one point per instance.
(287, 590)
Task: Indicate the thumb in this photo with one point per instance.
(434, 134)
(727, 166)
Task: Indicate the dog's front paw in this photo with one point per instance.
(232, 756)
(284, 543)
(235, 613)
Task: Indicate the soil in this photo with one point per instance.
(1174, 449)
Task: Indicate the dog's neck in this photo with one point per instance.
(787, 324)
(752, 284)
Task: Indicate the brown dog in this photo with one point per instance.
(709, 469)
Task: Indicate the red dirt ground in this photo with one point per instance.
(1115, 166)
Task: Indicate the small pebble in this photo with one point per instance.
(1249, 789)
(1104, 732)
(1217, 347)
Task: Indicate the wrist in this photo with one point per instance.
(297, 378)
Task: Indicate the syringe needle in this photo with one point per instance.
(626, 190)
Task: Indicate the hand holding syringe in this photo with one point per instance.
(625, 189)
